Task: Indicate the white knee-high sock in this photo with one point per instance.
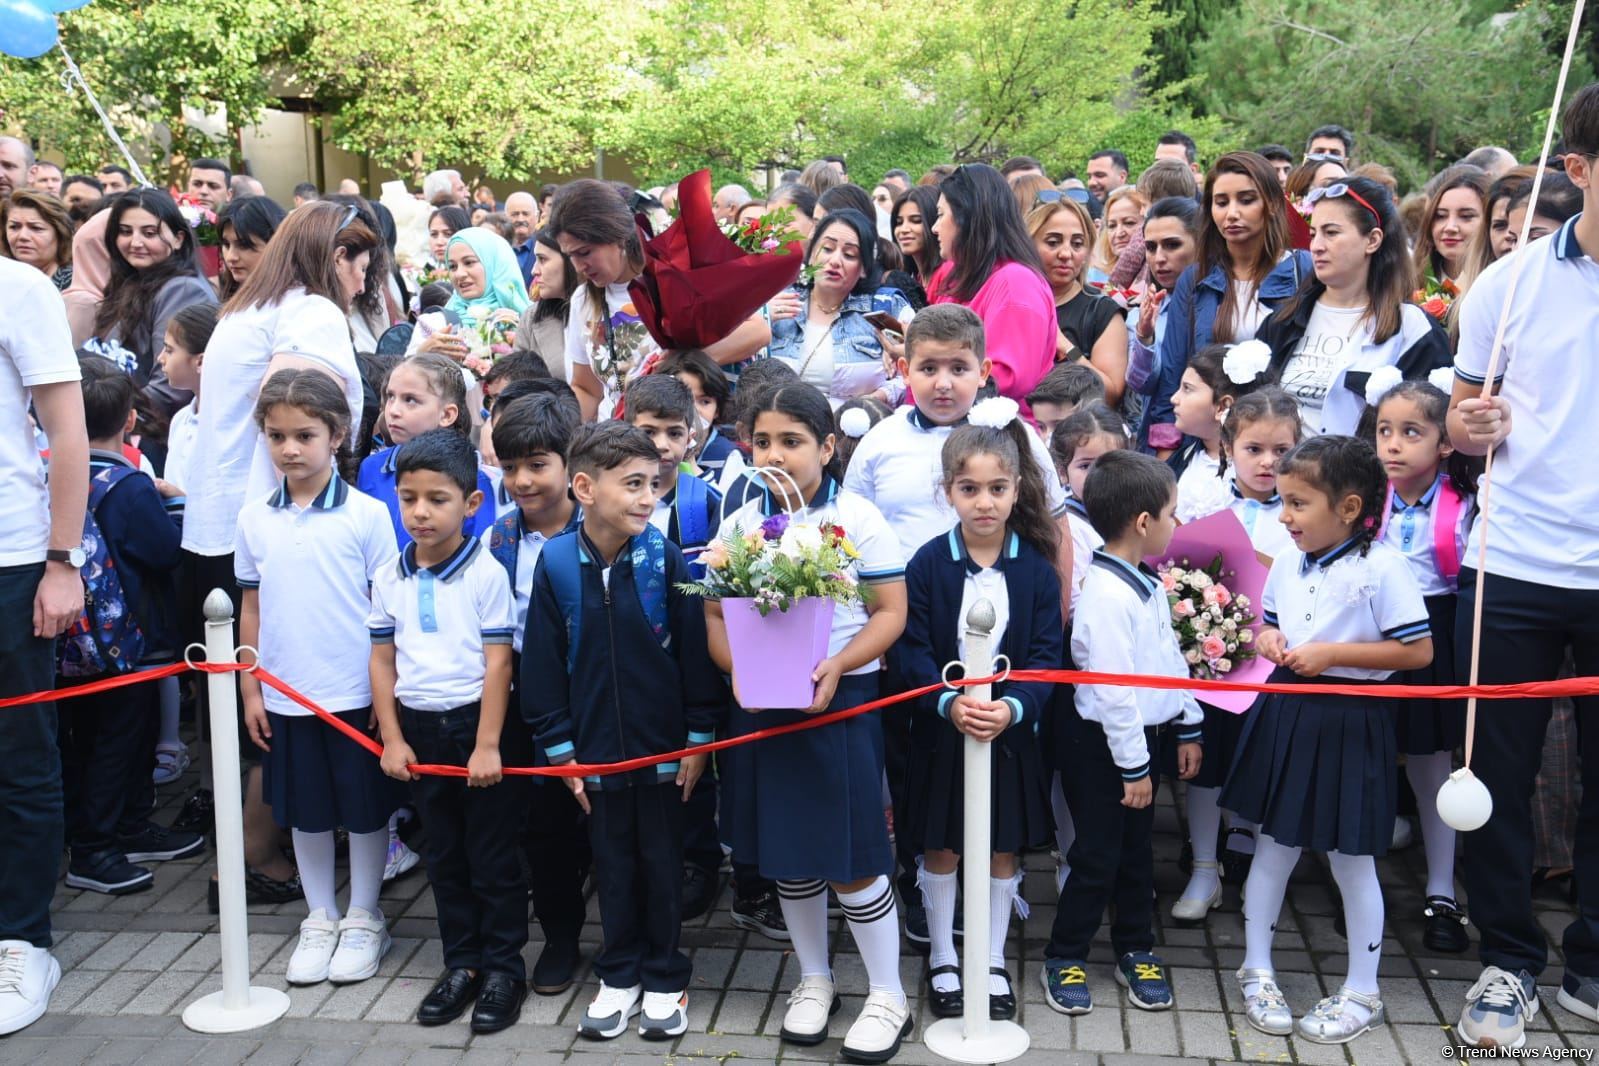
(313, 854)
(938, 896)
(1003, 894)
(1263, 900)
(168, 689)
(369, 852)
(1065, 832)
(804, 905)
(1427, 775)
(1204, 820)
(874, 921)
(1363, 913)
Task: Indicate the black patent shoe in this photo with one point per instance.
(1002, 1008)
(944, 1004)
(451, 995)
(1446, 926)
(499, 1003)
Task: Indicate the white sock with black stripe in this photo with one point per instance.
(804, 905)
(874, 921)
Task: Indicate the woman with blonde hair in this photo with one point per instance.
(1457, 209)
(1089, 326)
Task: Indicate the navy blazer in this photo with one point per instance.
(935, 581)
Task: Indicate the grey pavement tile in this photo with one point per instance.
(1207, 1035)
(72, 948)
(398, 1002)
(712, 965)
(756, 970)
(742, 1012)
(1151, 1032)
(161, 951)
(1102, 1029)
(75, 984)
(434, 1056)
(116, 952)
(163, 993)
(305, 999)
(351, 1001)
(113, 993)
(204, 954)
(68, 1051)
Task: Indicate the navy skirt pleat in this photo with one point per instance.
(316, 779)
(935, 797)
(1426, 726)
(1221, 731)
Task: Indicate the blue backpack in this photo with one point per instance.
(563, 560)
(106, 638)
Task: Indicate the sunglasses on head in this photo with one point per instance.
(1337, 190)
(350, 215)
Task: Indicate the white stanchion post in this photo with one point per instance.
(238, 1006)
(974, 1037)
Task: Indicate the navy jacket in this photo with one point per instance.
(1191, 318)
(144, 542)
(935, 581)
(626, 696)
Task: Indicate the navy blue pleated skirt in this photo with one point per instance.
(1221, 730)
(809, 805)
(316, 779)
(1315, 770)
(1426, 726)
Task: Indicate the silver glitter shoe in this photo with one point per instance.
(1330, 1023)
(1267, 1009)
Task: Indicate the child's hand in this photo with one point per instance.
(167, 489)
(574, 785)
(825, 678)
(397, 759)
(1271, 644)
(1189, 756)
(1138, 794)
(256, 722)
(483, 768)
(690, 771)
(1309, 660)
(982, 720)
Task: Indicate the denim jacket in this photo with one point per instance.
(857, 353)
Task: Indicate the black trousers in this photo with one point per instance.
(637, 836)
(107, 746)
(1525, 630)
(1112, 859)
(32, 823)
(557, 852)
(471, 836)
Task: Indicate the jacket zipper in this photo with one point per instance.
(616, 688)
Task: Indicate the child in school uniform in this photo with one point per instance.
(441, 625)
(1003, 550)
(810, 804)
(531, 435)
(1120, 739)
(1315, 770)
(621, 669)
(305, 558)
(1431, 506)
(422, 392)
(1064, 391)
(711, 390)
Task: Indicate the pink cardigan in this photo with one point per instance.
(1018, 313)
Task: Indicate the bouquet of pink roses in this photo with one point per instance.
(1212, 622)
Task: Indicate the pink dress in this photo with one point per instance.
(1018, 313)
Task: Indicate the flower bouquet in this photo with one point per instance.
(1437, 297)
(203, 224)
(777, 585)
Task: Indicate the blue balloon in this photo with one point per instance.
(26, 31)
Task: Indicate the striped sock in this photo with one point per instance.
(875, 924)
(804, 905)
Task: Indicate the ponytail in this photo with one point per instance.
(1030, 518)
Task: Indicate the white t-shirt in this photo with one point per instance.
(632, 342)
(816, 355)
(235, 465)
(1333, 337)
(35, 349)
(181, 433)
(1250, 311)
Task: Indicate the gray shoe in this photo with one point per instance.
(1331, 1023)
(1267, 1009)
(1579, 995)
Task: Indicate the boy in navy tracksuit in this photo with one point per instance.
(622, 671)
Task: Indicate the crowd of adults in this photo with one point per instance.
(1127, 274)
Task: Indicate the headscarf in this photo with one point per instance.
(502, 277)
(91, 261)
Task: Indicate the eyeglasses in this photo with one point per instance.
(1323, 157)
(1047, 196)
(1333, 192)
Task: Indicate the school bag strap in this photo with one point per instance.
(1446, 517)
(505, 537)
(564, 559)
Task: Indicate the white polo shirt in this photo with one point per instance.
(35, 349)
(439, 619)
(1544, 526)
(1262, 520)
(1085, 542)
(881, 563)
(312, 567)
(1125, 628)
(1408, 530)
(1343, 597)
(528, 550)
(899, 467)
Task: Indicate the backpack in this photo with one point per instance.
(563, 560)
(106, 638)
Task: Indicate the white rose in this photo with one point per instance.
(797, 540)
(1223, 665)
(1192, 656)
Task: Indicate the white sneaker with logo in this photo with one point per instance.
(27, 977)
(319, 936)
(363, 941)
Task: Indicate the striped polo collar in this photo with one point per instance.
(329, 498)
(459, 560)
(1138, 578)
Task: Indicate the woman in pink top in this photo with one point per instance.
(992, 266)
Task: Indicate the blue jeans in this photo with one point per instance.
(32, 821)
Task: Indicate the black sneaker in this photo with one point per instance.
(916, 925)
(154, 843)
(761, 914)
(1446, 926)
(109, 872)
(699, 891)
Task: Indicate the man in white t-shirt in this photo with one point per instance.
(41, 594)
(1540, 586)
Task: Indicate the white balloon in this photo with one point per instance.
(1463, 801)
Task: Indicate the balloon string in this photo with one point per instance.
(74, 76)
(1485, 493)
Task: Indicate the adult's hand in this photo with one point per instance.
(58, 600)
(447, 344)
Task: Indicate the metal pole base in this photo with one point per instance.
(947, 1038)
(208, 1015)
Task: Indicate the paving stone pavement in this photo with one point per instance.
(131, 964)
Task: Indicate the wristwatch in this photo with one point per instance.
(73, 557)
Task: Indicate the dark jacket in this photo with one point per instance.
(144, 542)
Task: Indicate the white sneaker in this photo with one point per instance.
(810, 1005)
(401, 859)
(665, 1015)
(27, 977)
(610, 1012)
(363, 941)
(319, 935)
(884, 1021)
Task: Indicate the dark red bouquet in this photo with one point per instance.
(698, 285)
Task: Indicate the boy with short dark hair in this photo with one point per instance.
(1111, 750)
(622, 669)
(1064, 389)
(708, 383)
(442, 623)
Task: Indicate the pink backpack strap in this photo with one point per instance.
(1445, 520)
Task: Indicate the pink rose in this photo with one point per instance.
(1210, 596)
(1213, 647)
(1183, 609)
(1168, 581)
(1223, 596)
